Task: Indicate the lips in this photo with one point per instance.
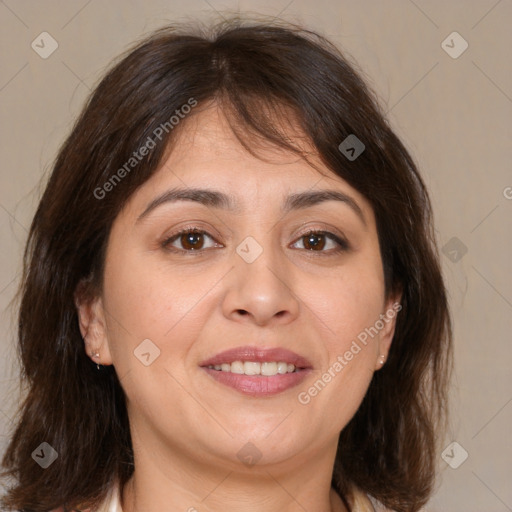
(252, 371)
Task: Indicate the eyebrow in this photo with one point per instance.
(216, 199)
(314, 197)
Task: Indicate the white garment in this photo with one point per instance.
(113, 501)
(359, 502)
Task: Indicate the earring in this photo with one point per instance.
(382, 359)
(96, 354)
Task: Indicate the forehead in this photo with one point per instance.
(206, 151)
(211, 134)
(264, 185)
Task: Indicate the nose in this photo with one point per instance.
(260, 292)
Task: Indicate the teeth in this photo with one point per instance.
(252, 368)
(267, 369)
(237, 367)
(282, 368)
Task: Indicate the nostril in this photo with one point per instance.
(242, 312)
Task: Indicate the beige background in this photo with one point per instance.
(453, 114)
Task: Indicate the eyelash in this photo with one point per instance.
(343, 245)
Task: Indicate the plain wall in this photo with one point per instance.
(452, 113)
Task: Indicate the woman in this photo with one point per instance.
(232, 298)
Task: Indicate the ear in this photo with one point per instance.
(91, 320)
(391, 310)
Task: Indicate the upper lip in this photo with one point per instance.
(257, 354)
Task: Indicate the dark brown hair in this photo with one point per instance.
(388, 448)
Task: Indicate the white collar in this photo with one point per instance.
(112, 502)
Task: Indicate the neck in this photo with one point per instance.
(179, 482)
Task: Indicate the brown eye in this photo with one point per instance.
(314, 241)
(321, 242)
(189, 240)
(192, 240)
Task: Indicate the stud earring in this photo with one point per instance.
(382, 359)
(97, 355)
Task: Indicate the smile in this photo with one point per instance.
(256, 371)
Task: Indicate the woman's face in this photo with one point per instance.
(249, 286)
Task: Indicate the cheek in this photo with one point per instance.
(349, 304)
(147, 299)
(346, 309)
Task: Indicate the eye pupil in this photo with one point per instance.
(314, 241)
(192, 240)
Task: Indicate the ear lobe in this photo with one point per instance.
(388, 318)
(93, 327)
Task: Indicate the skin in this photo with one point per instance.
(186, 427)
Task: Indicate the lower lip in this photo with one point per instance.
(258, 385)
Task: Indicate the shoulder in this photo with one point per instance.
(112, 503)
(360, 502)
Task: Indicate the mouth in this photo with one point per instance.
(256, 371)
